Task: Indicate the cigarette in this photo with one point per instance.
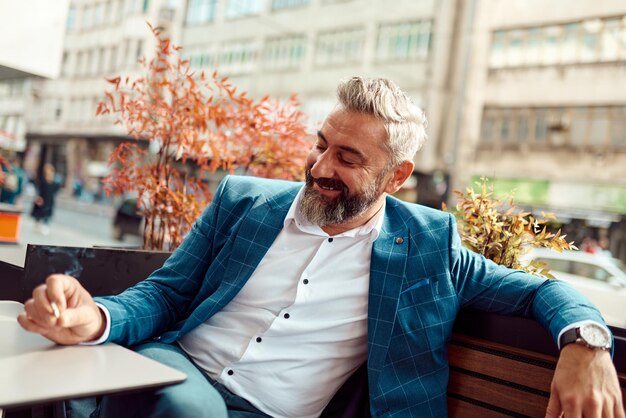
(55, 310)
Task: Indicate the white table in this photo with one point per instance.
(34, 370)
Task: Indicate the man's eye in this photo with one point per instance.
(347, 161)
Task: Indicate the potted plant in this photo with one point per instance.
(200, 124)
(502, 232)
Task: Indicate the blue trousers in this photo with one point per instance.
(198, 396)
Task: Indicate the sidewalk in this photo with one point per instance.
(68, 233)
(65, 201)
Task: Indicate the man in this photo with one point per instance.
(281, 291)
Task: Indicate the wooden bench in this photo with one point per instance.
(506, 378)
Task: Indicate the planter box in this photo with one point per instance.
(10, 220)
(102, 271)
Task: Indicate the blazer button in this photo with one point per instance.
(399, 240)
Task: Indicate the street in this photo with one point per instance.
(71, 225)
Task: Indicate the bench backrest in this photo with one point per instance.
(488, 379)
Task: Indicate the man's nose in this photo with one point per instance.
(322, 166)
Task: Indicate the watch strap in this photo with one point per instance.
(568, 337)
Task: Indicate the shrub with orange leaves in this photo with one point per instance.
(201, 124)
(503, 233)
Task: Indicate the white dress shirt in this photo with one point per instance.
(298, 328)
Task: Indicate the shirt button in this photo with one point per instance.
(231, 372)
(286, 316)
(305, 281)
(259, 339)
(330, 239)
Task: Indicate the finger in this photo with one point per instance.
(40, 317)
(58, 288)
(42, 303)
(592, 407)
(619, 409)
(554, 406)
(30, 325)
(571, 408)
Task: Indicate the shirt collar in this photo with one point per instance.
(371, 228)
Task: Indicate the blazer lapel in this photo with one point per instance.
(257, 232)
(389, 255)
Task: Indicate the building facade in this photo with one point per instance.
(546, 111)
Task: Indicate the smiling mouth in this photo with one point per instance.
(328, 187)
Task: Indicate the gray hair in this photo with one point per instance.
(404, 121)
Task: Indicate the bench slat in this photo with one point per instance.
(496, 365)
(499, 395)
(461, 409)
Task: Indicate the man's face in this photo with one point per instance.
(346, 173)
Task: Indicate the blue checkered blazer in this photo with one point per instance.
(420, 277)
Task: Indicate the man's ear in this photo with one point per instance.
(400, 174)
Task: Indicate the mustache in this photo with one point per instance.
(326, 182)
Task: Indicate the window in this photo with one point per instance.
(79, 63)
(284, 53)
(599, 126)
(401, 41)
(242, 8)
(200, 59)
(120, 10)
(496, 58)
(569, 48)
(113, 59)
(541, 126)
(556, 265)
(138, 50)
(340, 47)
(101, 61)
(593, 40)
(487, 136)
(98, 15)
(200, 11)
(238, 57)
(515, 56)
(87, 18)
(65, 64)
(284, 4)
(578, 126)
(611, 46)
(108, 13)
(505, 128)
(618, 128)
(589, 270)
(533, 46)
(589, 45)
(70, 25)
(551, 42)
(521, 133)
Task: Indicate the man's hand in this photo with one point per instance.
(79, 318)
(585, 385)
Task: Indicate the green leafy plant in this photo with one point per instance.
(502, 232)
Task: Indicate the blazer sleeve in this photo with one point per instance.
(153, 305)
(484, 285)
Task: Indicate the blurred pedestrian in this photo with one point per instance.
(13, 181)
(44, 202)
(590, 245)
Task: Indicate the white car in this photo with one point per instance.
(600, 278)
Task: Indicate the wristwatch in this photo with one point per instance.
(591, 335)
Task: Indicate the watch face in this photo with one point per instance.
(595, 335)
